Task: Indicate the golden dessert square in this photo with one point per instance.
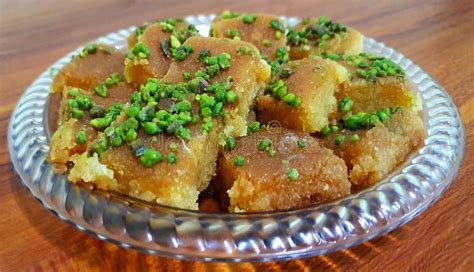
(158, 147)
(304, 97)
(376, 83)
(184, 171)
(314, 36)
(76, 109)
(372, 153)
(277, 169)
(224, 66)
(266, 32)
(92, 66)
(154, 49)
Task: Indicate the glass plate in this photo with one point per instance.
(184, 234)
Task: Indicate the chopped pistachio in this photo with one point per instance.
(264, 144)
(239, 161)
(301, 144)
(254, 126)
(293, 174)
(230, 14)
(249, 19)
(101, 90)
(267, 43)
(175, 43)
(150, 157)
(231, 143)
(171, 158)
(340, 139)
(326, 130)
(81, 137)
(355, 138)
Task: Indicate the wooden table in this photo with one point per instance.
(438, 35)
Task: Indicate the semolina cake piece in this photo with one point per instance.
(175, 182)
(227, 69)
(314, 36)
(92, 66)
(266, 32)
(76, 109)
(304, 97)
(279, 169)
(376, 83)
(160, 146)
(372, 153)
(155, 49)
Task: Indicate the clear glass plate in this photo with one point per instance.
(184, 234)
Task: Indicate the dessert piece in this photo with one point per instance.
(161, 146)
(376, 83)
(77, 108)
(184, 170)
(154, 49)
(92, 66)
(314, 36)
(266, 32)
(303, 98)
(276, 169)
(374, 144)
(232, 72)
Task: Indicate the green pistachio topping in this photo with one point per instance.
(174, 147)
(280, 91)
(264, 145)
(301, 144)
(101, 90)
(78, 105)
(254, 127)
(112, 80)
(239, 161)
(233, 34)
(243, 50)
(231, 143)
(101, 145)
(187, 76)
(231, 97)
(182, 52)
(174, 42)
(267, 43)
(277, 25)
(88, 49)
(325, 131)
(355, 138)
(340, 139)
(150, 157)
(319, 33)
(171, 158)
(230, 14)
(74, 91)
(139, 50)
(293, 174)
(345, 104)
(81, 137)
(249, 19)
(372, 67)
(159, 108)
(278, 34)
(367, 120)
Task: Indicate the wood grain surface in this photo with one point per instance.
(437, 35)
